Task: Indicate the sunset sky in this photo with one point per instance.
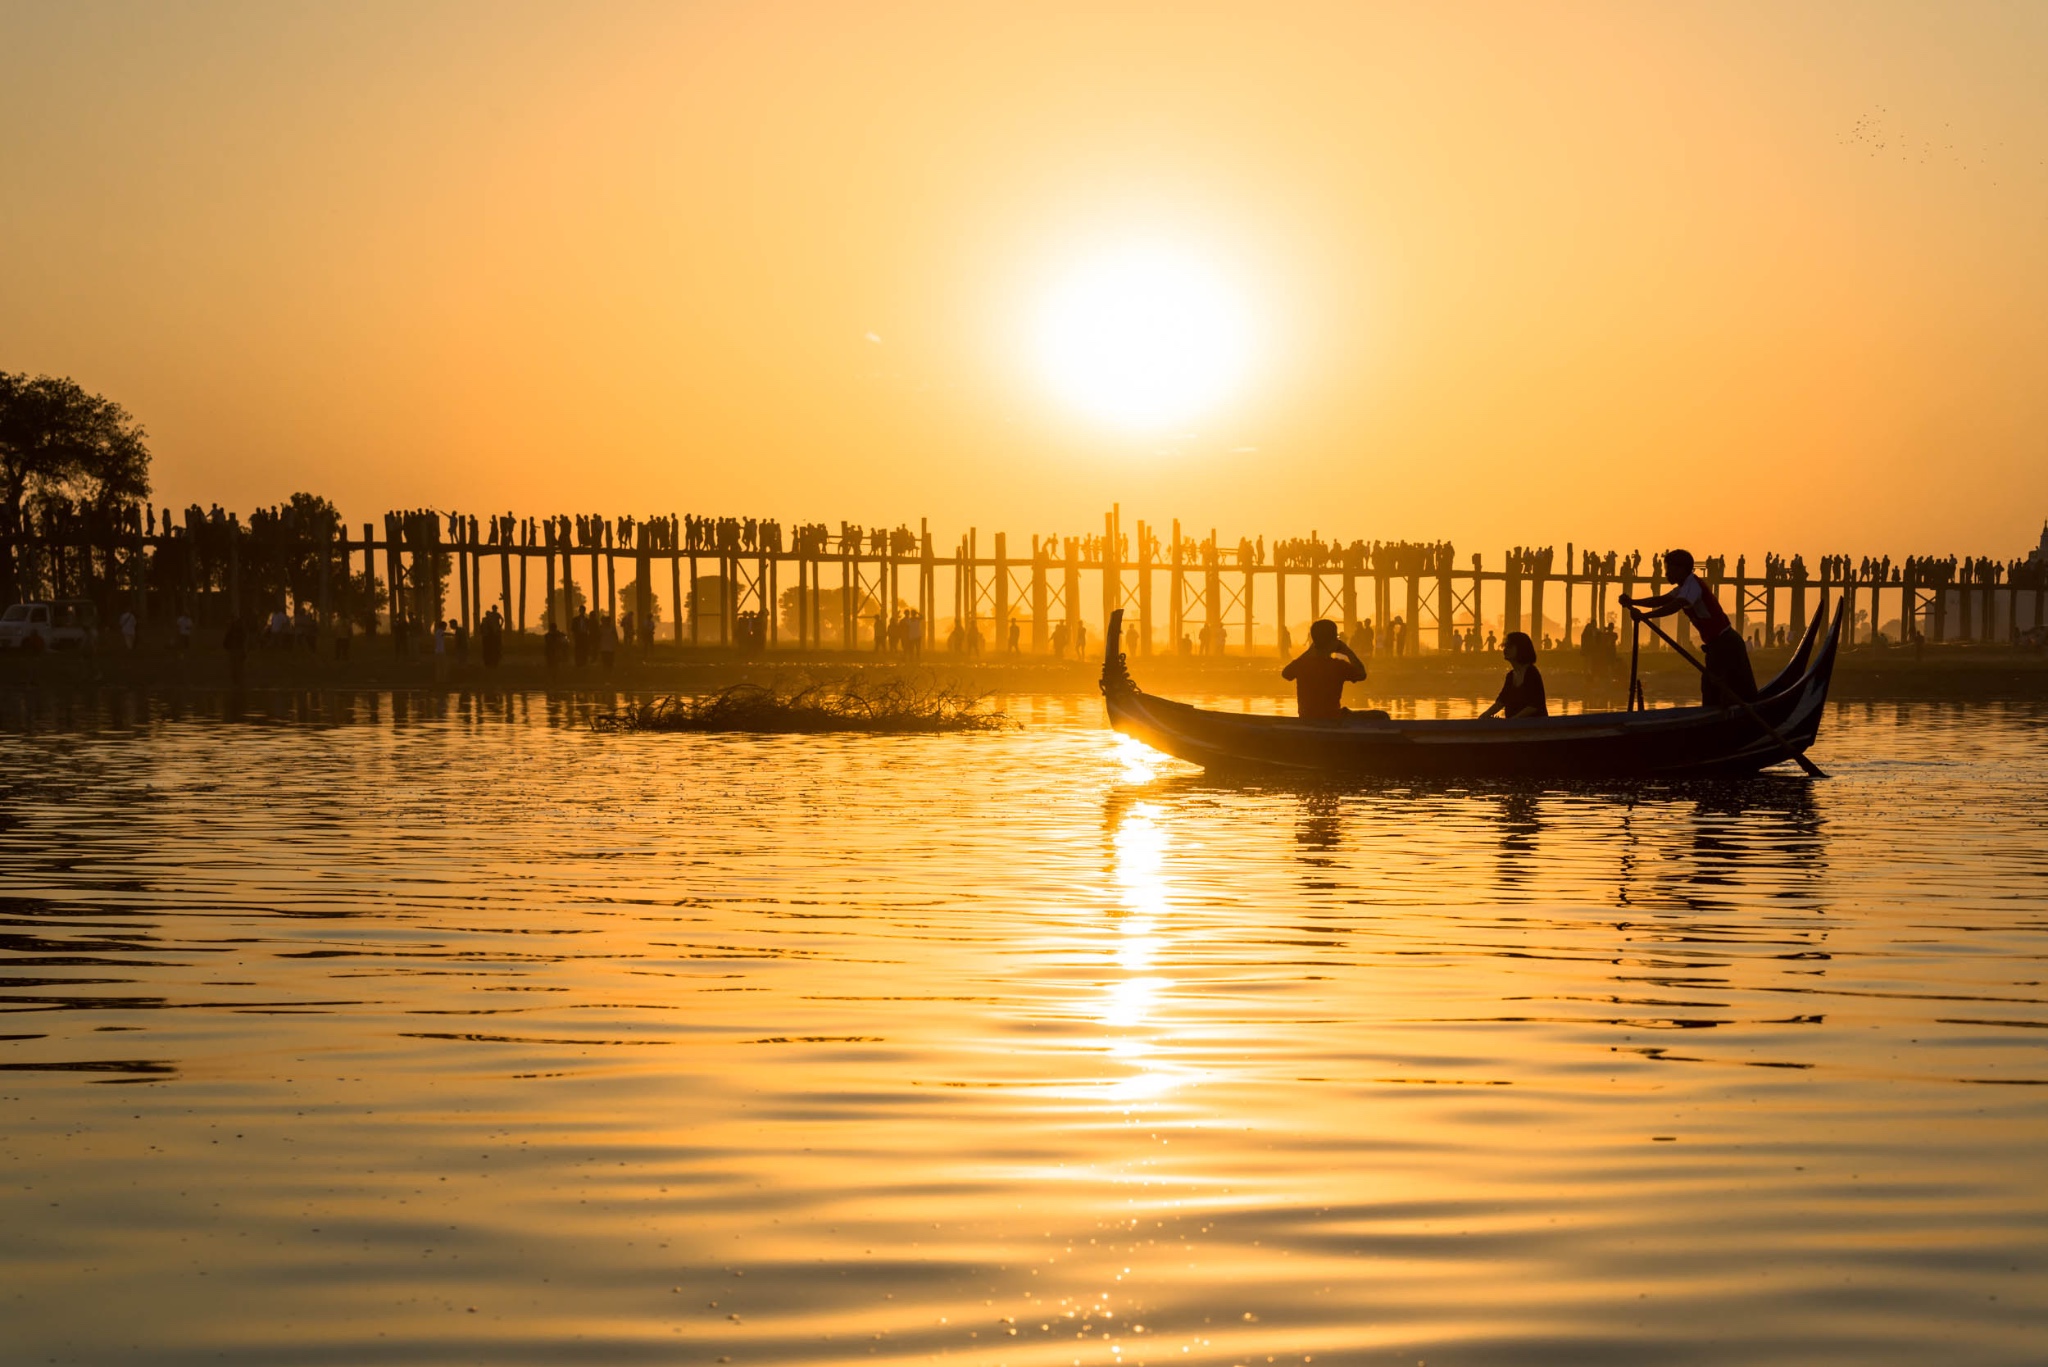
(1741, 275)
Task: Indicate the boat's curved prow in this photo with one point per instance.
(1795, 668)
(1813, 685)
(1116, 675)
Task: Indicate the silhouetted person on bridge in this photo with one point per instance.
(1320, 673)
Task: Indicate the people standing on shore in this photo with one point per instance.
(1361, 638)
(607, 640)
(128, 629)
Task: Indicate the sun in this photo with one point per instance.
(1144, 337)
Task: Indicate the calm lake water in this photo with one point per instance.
(454, 1032)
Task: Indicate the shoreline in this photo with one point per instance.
(1944, 673)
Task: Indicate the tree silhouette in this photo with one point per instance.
(62, 449)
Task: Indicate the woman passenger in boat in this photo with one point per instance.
(1521, 693)
(1320, 673)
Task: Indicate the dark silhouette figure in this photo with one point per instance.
(1521, 693)
(1727, 676)
(236, 642)
(491, 638)
(1320, 673)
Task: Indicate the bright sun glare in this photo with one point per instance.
(1144, 337)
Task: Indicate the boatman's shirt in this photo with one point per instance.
(1701, 607)
(1319, 681)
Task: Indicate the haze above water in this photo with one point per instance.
(460, 1034)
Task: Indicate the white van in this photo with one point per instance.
(66, 624)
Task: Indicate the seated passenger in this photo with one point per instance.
(1321, 671)
(1521, 693)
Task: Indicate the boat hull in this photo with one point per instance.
(1662, 743)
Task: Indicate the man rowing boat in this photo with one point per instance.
(1727, 677)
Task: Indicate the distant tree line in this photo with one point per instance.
(74, 468)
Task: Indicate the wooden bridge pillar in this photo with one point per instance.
(1511, 619)
(927, 589)
(1212, 592)
(1569, 579)
(505, 532)
(1070, 597)
(1176, 594)
(1383, 611)
(462, 574)
(1144, 568)
(1770, 603)
(1038, 622)
(1446, 600)
(1002, 631)
(1250, 583)
(547, 609)
(1112, 567)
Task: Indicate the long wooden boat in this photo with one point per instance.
(1666, 742)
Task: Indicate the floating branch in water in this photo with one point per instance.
(815, 705)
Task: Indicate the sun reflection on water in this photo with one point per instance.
(1132, 1005)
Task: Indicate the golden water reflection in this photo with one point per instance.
(457, 1033)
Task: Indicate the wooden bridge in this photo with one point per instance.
(749, 582)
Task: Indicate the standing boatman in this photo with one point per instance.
(1727, 676)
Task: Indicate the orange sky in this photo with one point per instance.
(1741, 275)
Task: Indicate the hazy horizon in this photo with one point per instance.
(1732, 276)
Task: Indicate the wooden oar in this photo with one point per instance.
(1635, 645)
(1812, 770)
